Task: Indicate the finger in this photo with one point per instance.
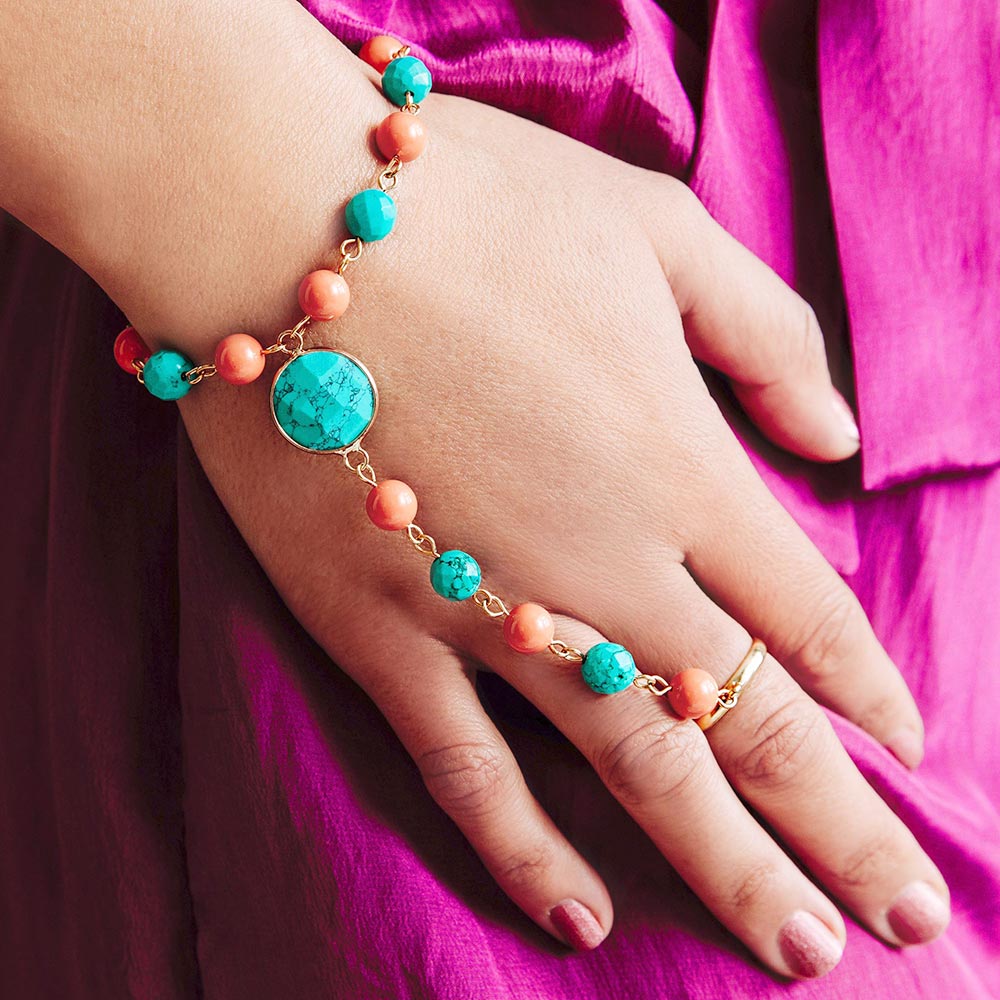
(472, 774)
(742, 319)
(782, 756)
(664, 774)
(781, 588)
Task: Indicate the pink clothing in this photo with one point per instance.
(198, 803)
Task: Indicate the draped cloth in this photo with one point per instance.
(197, 802)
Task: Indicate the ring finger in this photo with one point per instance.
(663, 772)
(782, 756)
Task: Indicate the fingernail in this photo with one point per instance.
(808, 946)
(577, 926)
(846, 417)
(918, 914)
(907, 746)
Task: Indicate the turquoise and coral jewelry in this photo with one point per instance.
(324, 401)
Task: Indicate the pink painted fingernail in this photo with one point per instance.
(846, 416)
(907, 747)
(808, 946)
(918, 914)
(577, 925)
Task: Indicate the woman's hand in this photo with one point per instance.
(531, 325)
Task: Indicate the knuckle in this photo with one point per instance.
(754, 885)
(870, 861)
(657, 760)
(527, 869)
(465, 778)
(837, 619)
(787, 744)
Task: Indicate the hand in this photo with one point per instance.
(531, 325)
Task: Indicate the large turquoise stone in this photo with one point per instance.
(608, 667)
(407, 73)
(370, 215)
(455, 575)
(161, 374)
(323, 400)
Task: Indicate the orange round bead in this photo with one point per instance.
(239, 359)
(401, 134)
(128, 348)
(378, 51)
(693, 693)
(324, 295)
(391, 505)
(529, 628)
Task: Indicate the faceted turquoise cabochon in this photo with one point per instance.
(407, 73)
(323, 400)
(370, 215)
(608, 667)
(161, 374)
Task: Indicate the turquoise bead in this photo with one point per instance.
(608, 667)
(371, 215)
(455, 575)
(161, 374)
(407, 73)
(323, 400)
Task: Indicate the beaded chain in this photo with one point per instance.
(325, 401)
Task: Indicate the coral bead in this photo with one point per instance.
(377, 51)
(391, 505)
(324, 295)
(239, 359)
(693, 694)
(529, 628)
(402, 135)
(128, 348)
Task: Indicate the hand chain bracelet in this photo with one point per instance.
(324, 401)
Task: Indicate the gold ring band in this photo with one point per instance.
(729, 693)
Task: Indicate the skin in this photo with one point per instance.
(532, 326)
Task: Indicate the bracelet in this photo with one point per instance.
(325, 401)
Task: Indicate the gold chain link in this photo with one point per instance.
(195, 375)
(387, 178)
(490, 603)
(570, 653)
(350, 251)
(362, 469)
(652, 683)
(422, 542)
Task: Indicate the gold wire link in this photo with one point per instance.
(387, 179)
(287, 337)
(652, 683)
(410, 105)
(363, 469)
(570, 653)
(350, 251)
(490, 603)
(421, 541)
(399, 53)
(195, 375)
(727, 698)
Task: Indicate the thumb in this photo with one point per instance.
(742, 319)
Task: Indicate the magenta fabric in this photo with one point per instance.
(198, 803)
